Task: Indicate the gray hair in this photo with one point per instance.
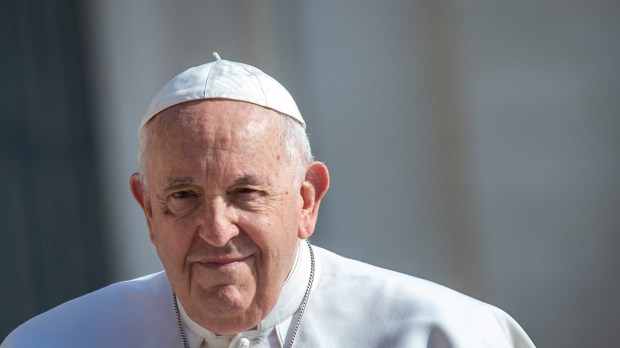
(294, 140)
(296, 145)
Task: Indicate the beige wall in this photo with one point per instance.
(474, 143)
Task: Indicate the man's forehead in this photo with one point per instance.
(215, 112)
(224, 124)
(199, 133)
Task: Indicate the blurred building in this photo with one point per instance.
(472, 143)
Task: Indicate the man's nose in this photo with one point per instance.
(218, 228)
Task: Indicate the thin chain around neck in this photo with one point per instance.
(179, 321)
(302, 307)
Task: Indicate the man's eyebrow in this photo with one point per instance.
(249, 180)
(174, 182)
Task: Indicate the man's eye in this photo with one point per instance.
(247, 194)
(182, 194)
(245, 191)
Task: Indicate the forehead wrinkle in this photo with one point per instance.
(224, 146)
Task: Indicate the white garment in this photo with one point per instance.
(352, 304)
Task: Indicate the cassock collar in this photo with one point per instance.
(279, 318)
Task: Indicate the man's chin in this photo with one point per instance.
(226, 316)
(223, 301)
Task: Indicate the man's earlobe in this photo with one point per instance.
(313, 188)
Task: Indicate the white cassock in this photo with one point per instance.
(352, 304)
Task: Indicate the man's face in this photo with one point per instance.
(223, 209)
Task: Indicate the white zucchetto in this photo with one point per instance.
(227, 80)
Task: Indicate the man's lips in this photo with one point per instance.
(222, 264)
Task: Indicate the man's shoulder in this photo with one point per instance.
(417, 309)
(372, 278)
(100, 314)
(403, 289)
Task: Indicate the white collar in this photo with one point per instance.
(280, 316)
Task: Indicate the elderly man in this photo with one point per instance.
(231, 194)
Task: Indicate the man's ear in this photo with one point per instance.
(138, 190)
(312, 190)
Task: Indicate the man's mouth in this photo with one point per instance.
(223, 264)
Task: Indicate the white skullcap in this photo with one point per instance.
(227, 80)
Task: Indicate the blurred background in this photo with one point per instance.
(475, 143)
